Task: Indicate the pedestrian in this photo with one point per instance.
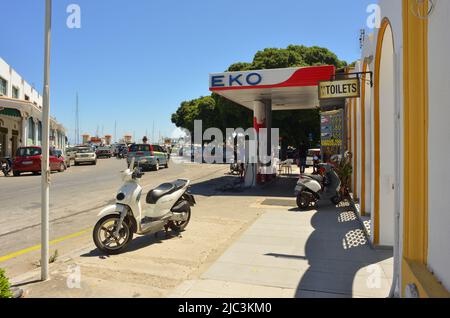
(315, 164)
(302, 152)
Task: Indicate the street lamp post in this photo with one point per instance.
(45, 175)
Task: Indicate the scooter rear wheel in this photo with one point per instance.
(104, 238)
(180, 226)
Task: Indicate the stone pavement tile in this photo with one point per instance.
(270, 292)
(238, 257)
(279, 261)
(257, 249)
(267, 240)
(224, 289)
(258, 275)
(292, 232)
(228, 289)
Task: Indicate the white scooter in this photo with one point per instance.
(167, 206)
(312, 188)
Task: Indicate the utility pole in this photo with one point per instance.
(45, 178)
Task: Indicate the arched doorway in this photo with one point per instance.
(385, 152)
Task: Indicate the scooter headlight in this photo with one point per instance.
(120, 196)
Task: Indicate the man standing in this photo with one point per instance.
(302, 152)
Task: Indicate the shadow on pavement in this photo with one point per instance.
(339, 254)
(229, 185)
(138, 242)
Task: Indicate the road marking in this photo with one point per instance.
(37, 247)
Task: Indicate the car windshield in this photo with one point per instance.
(28, 152)
(58, 153)
(84, 150)
(139, 148)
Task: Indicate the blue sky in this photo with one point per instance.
(134, 61)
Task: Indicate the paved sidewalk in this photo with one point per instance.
(240, 243)
(287, 253)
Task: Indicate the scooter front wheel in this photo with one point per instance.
(104, 235)
(303, 200)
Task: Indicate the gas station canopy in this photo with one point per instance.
(287, 88)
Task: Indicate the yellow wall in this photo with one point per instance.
(415, 84)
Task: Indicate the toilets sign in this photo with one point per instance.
(347, 88)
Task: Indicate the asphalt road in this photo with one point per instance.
(76, 197)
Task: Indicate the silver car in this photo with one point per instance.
(85, 155)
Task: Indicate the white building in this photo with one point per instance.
(21, 115)
(400, 142)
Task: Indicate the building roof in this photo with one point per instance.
(287, 88)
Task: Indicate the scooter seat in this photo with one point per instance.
(318, 178)
(164, 189)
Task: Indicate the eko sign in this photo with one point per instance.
(347, 88)
(236, 79)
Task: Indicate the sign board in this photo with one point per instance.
(347, 88)
(332, 133)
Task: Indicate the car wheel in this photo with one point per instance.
(16, 174)
(167, 164)
(156, 168)
(95, 163)
(62, 167)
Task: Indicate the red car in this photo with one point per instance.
(28, 159)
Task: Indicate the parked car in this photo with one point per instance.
(85, 155)
(117, 147)
(71, 153)
(61, 154)
(28, 159)
(148, 156)
(103, 152)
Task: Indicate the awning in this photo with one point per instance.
(10, 112)
(288, 88)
